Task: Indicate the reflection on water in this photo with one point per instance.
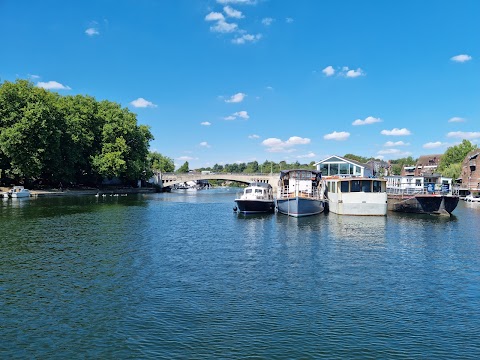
(181, 276)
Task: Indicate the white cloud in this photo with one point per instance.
(367, 121)
(237, 98)
(394, 152)
(52, 85)
(204, 144)
(232, 12)
(289, 20)
(242, 114)
(456, 119)
(267, 21)
(230, 117)
(223, 27)
(339, 136)
(253, 136)
(142, 103)
(92, 32)
(310, 155)
(205, 123)
(277, 145)
(352, 73)
(433, 145)
(396, 132)
(269, 88)
(214, 16)
(396, 143)
(246, 38)
(464, 135)
(329, 71)
(33, 77)
(186, 158)
(461, 58)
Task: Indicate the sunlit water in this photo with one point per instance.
(181, 276)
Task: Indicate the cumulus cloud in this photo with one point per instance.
(349, 73)
(456, 119)
(396, 152)
(277, 145)
(396, 132)
(204, 144)
(205, 123)
(329, 71)
(92, 31)
(396, 143)
(464, 135)
(237, 98)
(310, 155)
(267, 21)
(214, 16)
(253, 136)
(242, 114)
(461, 58)
(246, 38)
(223, 27)
(142, 103)
(433, 145)
(230, 117)
(231, 12)
(52, 85)
(367, 121)
(339, 136)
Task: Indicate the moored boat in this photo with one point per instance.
(357, 195)
(18, 192)
(257, 197)
(301, 193)
(414, 195)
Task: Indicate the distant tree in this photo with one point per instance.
(252, 167)
(455, 155)
(184, 168)
(453, 170)
(360, 159)
(398, 164)
(158, 162)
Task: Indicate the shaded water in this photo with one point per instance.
(181, 276)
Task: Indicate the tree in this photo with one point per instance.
(184, 168)
(455, 155)
(158, 162)
(360, 159)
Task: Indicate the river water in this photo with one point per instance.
(181, 276)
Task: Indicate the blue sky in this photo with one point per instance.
(224, 81)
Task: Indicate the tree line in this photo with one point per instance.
(49, 138)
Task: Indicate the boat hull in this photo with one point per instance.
(255, 206)
(423, 204)
(298, 206)
(358, 204)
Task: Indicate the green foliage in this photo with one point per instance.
(398, 164)
(360, 159)
(184, 168)
(72, 138)
(455, 155)
(453, 170)
(158, 162)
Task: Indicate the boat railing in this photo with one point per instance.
(285, 192)
(415, 191)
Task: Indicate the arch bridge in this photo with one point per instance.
(171, 179)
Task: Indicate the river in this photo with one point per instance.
(181, 276)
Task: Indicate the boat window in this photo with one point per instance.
(355, 186)
(377, 186)
(258, 191)
(248, 191)
(344, 187)
(418, 182)
(366, 185)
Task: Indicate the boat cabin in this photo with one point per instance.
(351, 185)
(338, 166)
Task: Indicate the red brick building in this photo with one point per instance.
(471, 171)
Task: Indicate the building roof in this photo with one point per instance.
(426, 160)
(335, 158)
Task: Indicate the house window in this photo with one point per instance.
(333, 169)
(344, 169)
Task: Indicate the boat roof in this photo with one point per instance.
(284, 172)
(351, 178)
(260, 184)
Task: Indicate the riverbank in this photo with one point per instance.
(82, 192)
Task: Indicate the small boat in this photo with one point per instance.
(257, 198)
(472, 198)
(357, 195)
(18, 192)
(301, 193)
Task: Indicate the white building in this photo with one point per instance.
(338, 166)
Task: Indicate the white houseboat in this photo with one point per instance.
(256, 198)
